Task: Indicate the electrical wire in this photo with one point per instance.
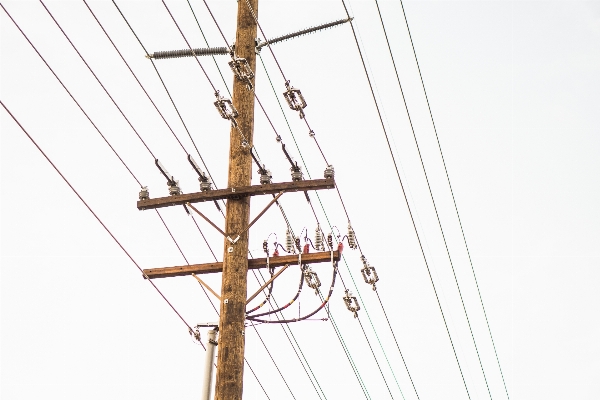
(88, 207)
(407, 203)
(432, 199)
(453, 197)
(283, 327)
(344, 259)
(167, 91)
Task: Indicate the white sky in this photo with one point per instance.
(515, 92)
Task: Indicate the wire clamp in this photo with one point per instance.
(368, 273)
(241, 69)
(294, 99)
(351, 303)
(311, 278)
(226, 108)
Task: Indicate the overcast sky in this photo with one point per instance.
(514, 88)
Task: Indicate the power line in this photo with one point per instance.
(88, 207)
(432, 199)
(166, 90)
(407, 203)
(325, 213)
(453, 198)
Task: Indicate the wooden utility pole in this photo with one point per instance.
(234, 268)
(230, 361)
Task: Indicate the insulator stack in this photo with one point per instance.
(266, 247)
(157, 55)
(351, 237)
(319, 239)
(289, 242)
(368, 272)
(351, 303)
(144, 193)
(330, 241)
(297, 243)
(312, 279)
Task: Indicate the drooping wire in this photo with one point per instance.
(432, 198)
(283, 326)
(407, 203)
(89, 208)
(453, 197)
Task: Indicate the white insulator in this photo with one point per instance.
(289, 242)
(329, 172)
(351, 237)
(319, 238)
(265, 176)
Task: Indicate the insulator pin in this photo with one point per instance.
(329, 172)
(351, 237)
(144, 193)
(351, 303)
(294, 99)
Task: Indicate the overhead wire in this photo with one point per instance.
(338, 191)
(347, 215)
(147, 278)
(407, 203)
(453, 197)
(167, 91)
(88, 207)
(432, 198)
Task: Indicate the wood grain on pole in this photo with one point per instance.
(230, 362)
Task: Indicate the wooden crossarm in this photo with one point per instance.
(236, 192)
(254, 263)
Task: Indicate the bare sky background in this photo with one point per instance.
(514, 88)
